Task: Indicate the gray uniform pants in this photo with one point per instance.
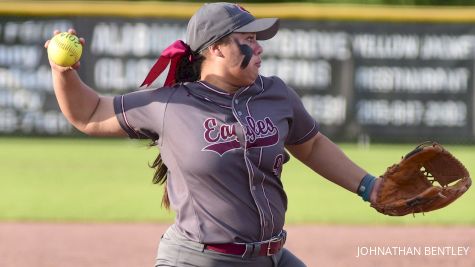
(177, 251)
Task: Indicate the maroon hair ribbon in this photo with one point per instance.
(171, 55)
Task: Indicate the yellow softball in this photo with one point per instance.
(64, 49)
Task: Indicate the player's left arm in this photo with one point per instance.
(327, 159)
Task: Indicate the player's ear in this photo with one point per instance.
(215, 50)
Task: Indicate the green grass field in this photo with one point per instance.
(103, 180)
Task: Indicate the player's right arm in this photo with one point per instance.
(86, 110)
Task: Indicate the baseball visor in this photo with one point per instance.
(265, 28)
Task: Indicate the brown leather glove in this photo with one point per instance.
(426, 179)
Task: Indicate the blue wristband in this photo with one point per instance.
(366, 187)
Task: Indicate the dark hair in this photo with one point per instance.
(160, 177)
(189, 71)
(186, 72)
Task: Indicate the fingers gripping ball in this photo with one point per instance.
(64, 49)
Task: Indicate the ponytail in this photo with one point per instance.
(186, 72)
(189, 71)
(160, 177)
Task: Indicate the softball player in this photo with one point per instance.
(223, 131)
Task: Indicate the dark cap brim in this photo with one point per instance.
(265, 28)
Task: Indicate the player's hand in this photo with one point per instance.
(60, 68)
(374, 193)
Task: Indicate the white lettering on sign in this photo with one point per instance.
(115, 74)
(393, 46)
(447, 47)
(412, 80)
(315, 75)
(445, 113)
(21, 100)
(412, 113)
(25, 78)
(384, 112)
(326, 109)
(134, 39)
(32, 79)
(402, 46)
(48, 122)
(32, 31)
(26, 56)
(308, 44)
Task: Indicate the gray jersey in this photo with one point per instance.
(224, 153)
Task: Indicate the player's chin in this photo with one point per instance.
(247, 76)
(251, 78)
(252, 73)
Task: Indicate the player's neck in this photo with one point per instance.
(219, 82)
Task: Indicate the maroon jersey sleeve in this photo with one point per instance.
(302, 125)
(141, 113)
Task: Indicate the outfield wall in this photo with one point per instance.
(388, 73)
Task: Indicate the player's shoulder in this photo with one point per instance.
(272, 84)
(270, 81)
(160, 94)
(169, 91)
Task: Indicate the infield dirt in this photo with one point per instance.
(134, 245)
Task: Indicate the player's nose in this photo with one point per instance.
(258, 49)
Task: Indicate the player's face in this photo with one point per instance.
(239, 74)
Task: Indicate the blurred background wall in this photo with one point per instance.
(365, 72)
